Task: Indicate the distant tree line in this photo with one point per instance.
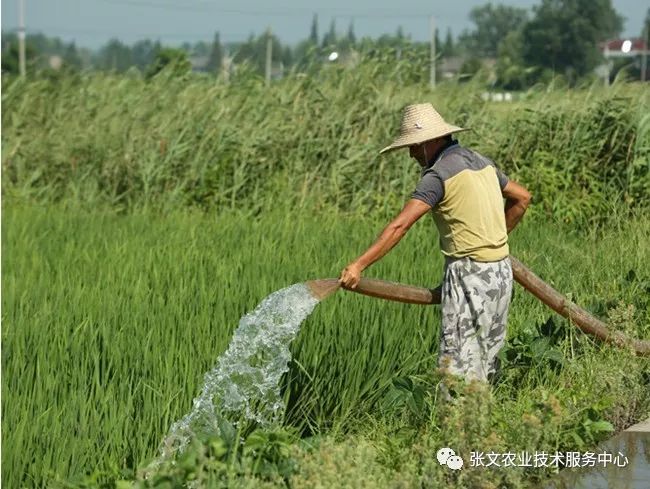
(521, 47)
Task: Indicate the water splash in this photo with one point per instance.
(245, 381)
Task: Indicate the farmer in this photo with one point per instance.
(465, 191)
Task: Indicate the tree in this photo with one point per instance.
(287, 56)
(143, 53)
(115, 56)
(71, 58)
(493, 23)
(329, 39)
(306, 52)
(313, 33)
(175, 59)
(39, 51)
(564, 34)
(351, 37)
(202, 48)
(470, 68)
(216, 55)
(254, 51)
(448, 49)
(47, 46)
(511, 70)
(10, 54)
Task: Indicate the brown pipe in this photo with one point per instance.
(531, 282)
(577, 315)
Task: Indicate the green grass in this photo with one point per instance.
(169, 143)
(109, 323)
(142, 219)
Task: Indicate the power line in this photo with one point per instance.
(286, 12)
(230, 37)
(212, 8)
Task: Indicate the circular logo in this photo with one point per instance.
(444, 454)
(454, 462)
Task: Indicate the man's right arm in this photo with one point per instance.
(517, 200)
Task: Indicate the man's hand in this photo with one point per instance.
(350, 276)
(437, 294)
(390, 236)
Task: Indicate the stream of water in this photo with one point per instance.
(245, 381)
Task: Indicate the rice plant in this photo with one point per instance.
(110, 322)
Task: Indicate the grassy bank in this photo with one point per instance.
(109, 323)
(171, 143)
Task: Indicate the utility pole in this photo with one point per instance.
(21, 37)
(269, 54)
(644, 54)
(432, 74)
(225, 65)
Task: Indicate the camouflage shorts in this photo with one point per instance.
(475, 301)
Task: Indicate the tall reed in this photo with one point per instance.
(168, 143)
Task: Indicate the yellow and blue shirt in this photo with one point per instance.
(464, 188)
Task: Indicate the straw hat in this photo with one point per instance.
(420, 123)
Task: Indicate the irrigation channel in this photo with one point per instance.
(244, 385)
(632, 446)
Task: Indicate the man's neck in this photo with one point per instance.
(438, 152)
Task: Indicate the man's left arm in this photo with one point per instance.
(390, 236)
(517, 201)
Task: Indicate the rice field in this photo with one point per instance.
(109, 323)
(141, 220)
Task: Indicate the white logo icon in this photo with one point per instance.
(418, 125)
(446, 456)
(454, 462)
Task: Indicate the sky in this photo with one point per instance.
(90, 23)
